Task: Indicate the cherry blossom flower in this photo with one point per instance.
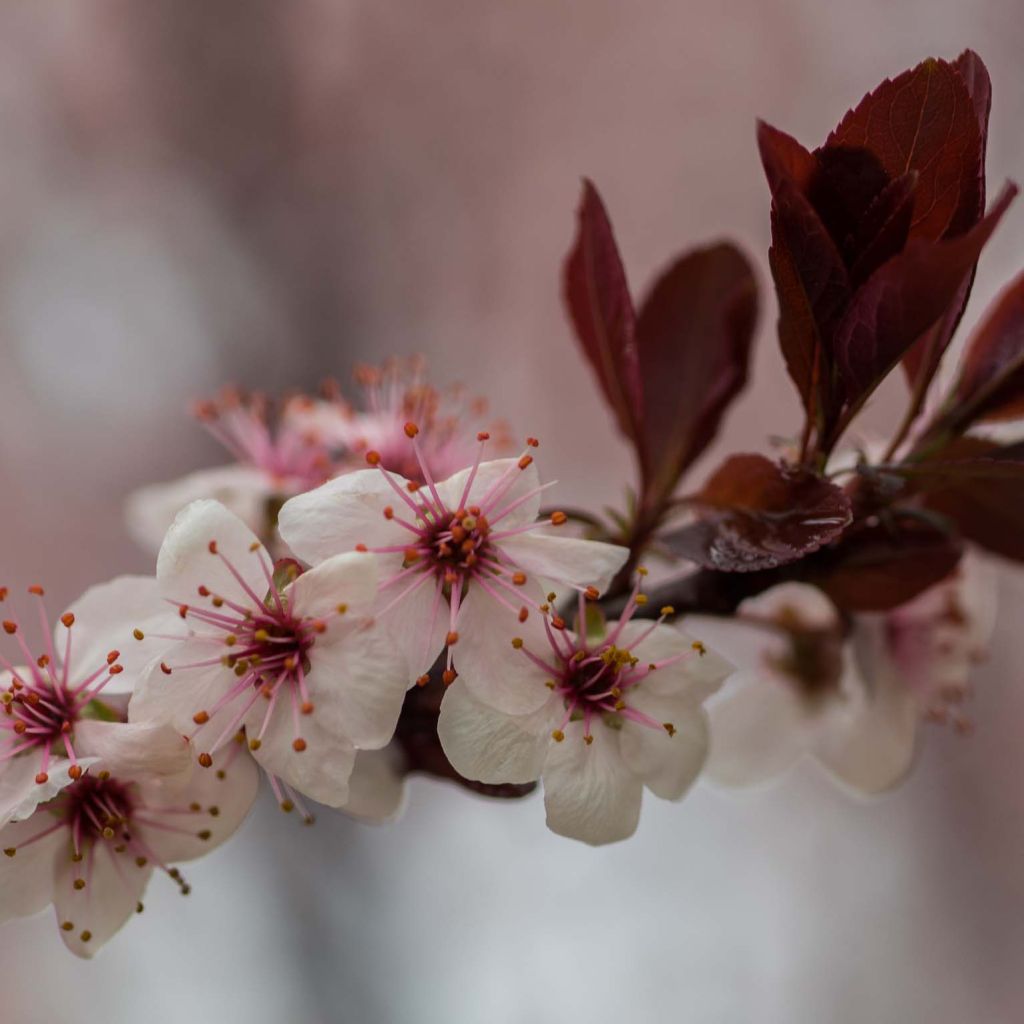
(853, 707)
(51, 701)
(299, 666)
(596, 715)
(391, 396)
(456, 556)
(275, 457)
(92, 848)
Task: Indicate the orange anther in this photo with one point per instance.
(525, 461)
(298, 744)
(559, 518)
(201, 717)
(373, 458)
(411, 430)
(68, 619)
(36, 589)
(205, 760)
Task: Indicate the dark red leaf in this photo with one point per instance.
(883, 227)
(979, 87)
(884, 566)
(903, 299)
(925, 120)
(813, 290)
(693, 340)
(756, 514)
(783, 158)
(599, 302)
(991, 384)
(988, 511)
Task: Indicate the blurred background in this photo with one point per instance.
(194, 193)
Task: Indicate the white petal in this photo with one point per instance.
(20, 794)
(513, 484)
(757, 732)
(185, 561)
(494, 671)
(696, 675)
(349, 579)
(105, 619)
(173, 699)
(321, 771)
(357, 681)
(589, 791)
(668, 764)
(488, 746)
(567, 560)
(376, 788)
(244, 490)
(868, 739)
(114, 888)
(132, 750)
(417, 624)
(229, 789)
(26, 879)
(342, 513)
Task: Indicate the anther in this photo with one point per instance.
(524, 613)
(423, 679)
(67, 926)
(559, 518)
(79, 884)
(165, 668)
(483, 435)
(138, 634)
(41, 778)
(448, 676)
(68, 619)
(307, 707)
(525, 461)
(75, 771)
(204, 834)
(373, 458)
(255, 744)
(201, 717)
(519, 578)
(699, 648)
(298, 744)
(205, 760)
(389, 512)
(667, 610)
(517, 642)
(669, 728)
(212, 547)
(112, 656)
(10, 627)
(557, 735)
(10, 851)
(451, 638)
(411, 430)
(588, 739)
(591, 593)
(532, 442)
(37, 590)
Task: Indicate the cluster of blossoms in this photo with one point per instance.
(367, 592)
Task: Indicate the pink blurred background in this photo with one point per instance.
(195, 193)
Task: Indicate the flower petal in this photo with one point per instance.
(26, 879)
(20, 794)
(487, 745)
(349, 579)
(497, 485)
(868, 738)
(175, 698)
(497, 674)
(225, 795)
(418, 625)
(698, 673)
(321, 771)
(244, 490)
(668, 764)
(357, 683)
(376, 788)
(342, 513)
(589, 791)
(568, 560)
(186, 563)
(757, 732)
(105, 619)
(131, 750)
(114, 885)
